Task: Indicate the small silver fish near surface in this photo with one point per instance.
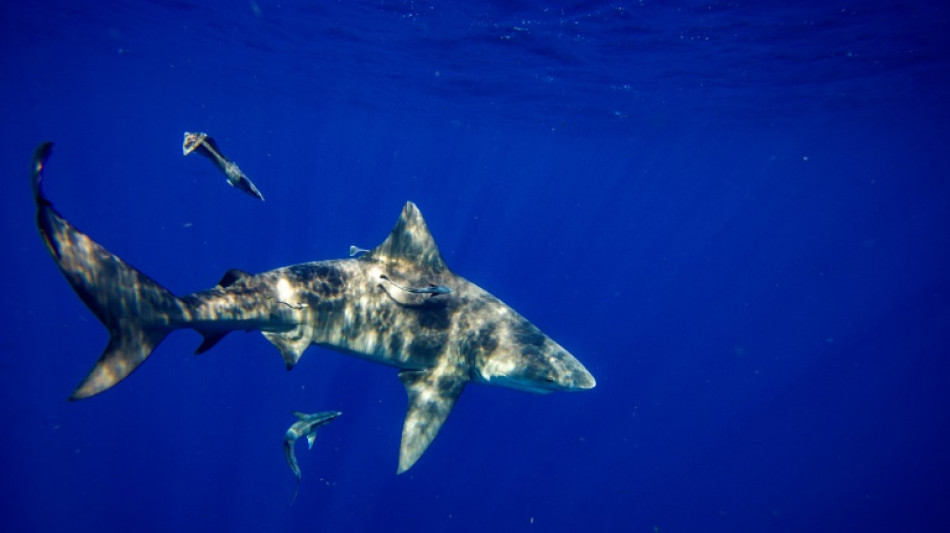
(203, 144)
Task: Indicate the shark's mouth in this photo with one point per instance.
(513, 383)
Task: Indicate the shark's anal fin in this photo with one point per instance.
(210, 339)
(431, 397)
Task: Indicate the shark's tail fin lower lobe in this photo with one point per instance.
(137, 311)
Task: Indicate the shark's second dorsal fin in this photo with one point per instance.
(231, 277)
(410, 241)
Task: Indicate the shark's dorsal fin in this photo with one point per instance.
(409, 241)
(431, 398)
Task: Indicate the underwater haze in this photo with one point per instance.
(735, 215)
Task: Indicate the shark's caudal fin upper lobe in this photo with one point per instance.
(137, 311)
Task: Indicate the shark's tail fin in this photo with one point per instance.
(137, 311)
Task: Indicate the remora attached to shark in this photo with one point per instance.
(439, 342)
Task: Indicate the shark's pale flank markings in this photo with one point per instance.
(306, 425)
(439, 345)
(356, 250)
(203, 144)
(431, 290)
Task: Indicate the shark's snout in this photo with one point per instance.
(584, 380)
(553, 369)
(572, 375)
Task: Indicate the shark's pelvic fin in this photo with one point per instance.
(137, 311)
(432, 394)
(291, 343)
(409, 241)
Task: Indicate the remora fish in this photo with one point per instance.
(203, 144)
(356, 250)
(439, 345)
(431, 290)
(306, 425)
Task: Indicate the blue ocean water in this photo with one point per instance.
(736, 216)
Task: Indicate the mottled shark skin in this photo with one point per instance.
(438, 342)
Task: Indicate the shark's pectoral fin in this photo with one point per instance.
(431, 398)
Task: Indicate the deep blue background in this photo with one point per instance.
(736, 216)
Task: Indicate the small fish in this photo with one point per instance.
(356, 250)
(431, 290)
(306, 425)
(205, 145)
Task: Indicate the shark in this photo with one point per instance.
(439, 342)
